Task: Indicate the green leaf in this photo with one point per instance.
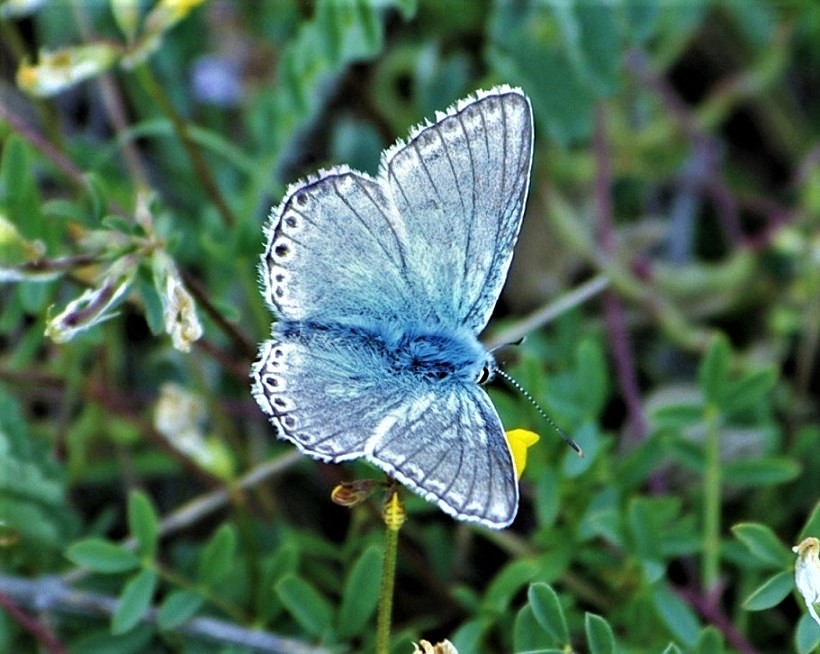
(771, 592)
(671, 648)
(218, 557)
(521, 51)
(310, 609)
(547, 498)
(97, 195)
(507, 583)
(761, 472)
(528, 634)
(179, 606)
(592, 375)
(151, 301)
(354, 29)
(644, 527)
(677, 416)
(598, 39)
(469, 636)
(102, 556)
(361, 593)
(709, 642)
(143, 523)
(675, 614)
(102, 641)
(807, 635)
(18, 188)
(713, 374)
(748, 392)
(134, 601)
(600, 638)
(812, 526)
(763, 544)
(549, 613)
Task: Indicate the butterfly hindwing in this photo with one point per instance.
(451, 449)
(336, 399)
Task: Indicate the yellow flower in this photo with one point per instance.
(807, 573)
(520, 441)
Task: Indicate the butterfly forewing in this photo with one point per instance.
(460, 187)
(333, 252)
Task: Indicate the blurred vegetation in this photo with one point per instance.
(141, 146)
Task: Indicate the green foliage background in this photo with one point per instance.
(676, 157)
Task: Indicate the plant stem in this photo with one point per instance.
(711, 502)
(203, 173)
(393, 518)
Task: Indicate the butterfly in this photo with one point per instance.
(380, 287)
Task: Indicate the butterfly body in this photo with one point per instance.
(380, 287)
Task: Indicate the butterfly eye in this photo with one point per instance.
(484, 375)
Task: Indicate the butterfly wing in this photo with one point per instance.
(450, 448)
(429, 241)
(332, 394)
(425, 245)
(460, 186)
(333, 251)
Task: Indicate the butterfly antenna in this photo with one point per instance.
(541, 411)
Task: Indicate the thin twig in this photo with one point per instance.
(709, 608)
(203, 172)
(53, 594)
(53, 154)
(40, 633)
(550, 312)
(232, 331)
(36, 139)
(613, 310)
(201, 507)
(112, 101)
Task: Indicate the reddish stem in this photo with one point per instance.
(31, 625)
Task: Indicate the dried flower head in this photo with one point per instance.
(351, 493)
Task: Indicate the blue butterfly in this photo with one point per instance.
(380, 287)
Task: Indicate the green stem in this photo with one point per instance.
(391, 540)
(711, 502)
(203, 173)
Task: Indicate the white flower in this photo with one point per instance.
(445, 647)
(178, 309)
(58, 70)
(95, 305)
(179, 416)
(807, 573)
